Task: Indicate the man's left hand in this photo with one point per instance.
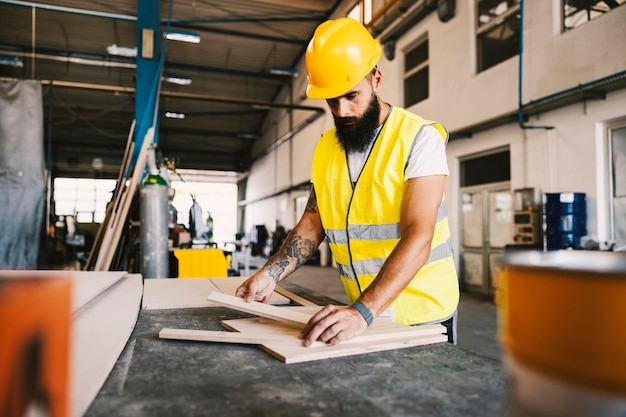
(333, 324)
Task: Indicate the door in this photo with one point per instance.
(486, 227)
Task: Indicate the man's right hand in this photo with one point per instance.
(258, 287)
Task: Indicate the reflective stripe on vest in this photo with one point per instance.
(372, 266)
(374, 231)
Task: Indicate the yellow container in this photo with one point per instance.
(201, 263)
(562, 315)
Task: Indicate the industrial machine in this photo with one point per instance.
(527, 217)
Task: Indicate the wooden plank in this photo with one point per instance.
(229, 286)
(377, 332)
(165, 293)
(100, 331)
(86, 285)
(260, 309)
(219, 336)
(378, 337)
(119, 221)
(303, 354)
(293, 297)
(119, 185)
(253, 332)
(115, 226)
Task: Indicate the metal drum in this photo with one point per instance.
(561, 330)
(565, 219)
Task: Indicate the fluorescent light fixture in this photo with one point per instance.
(246, 136)
(175, 79)
(290, 72)
(173, 115)
(181, 35)
(122, 51)
(13, 62)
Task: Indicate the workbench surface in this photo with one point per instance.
(156, 377)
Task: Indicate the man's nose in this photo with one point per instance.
(344, 108)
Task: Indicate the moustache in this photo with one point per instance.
(346, 120)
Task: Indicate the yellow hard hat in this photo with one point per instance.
(340, 54)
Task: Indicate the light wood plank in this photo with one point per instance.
(167, 293)
(293, 297)
(253, 331)
(112, 234)
(378, 337)
(100, 331)
(378, 331)
(229, 286)
(260, 309)
(119, 185)
(302, 354)
(86, 285)
(219, 336)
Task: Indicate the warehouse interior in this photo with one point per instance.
(146, 142)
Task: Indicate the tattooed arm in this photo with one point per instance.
(299, 245)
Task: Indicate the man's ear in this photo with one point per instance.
(377, 80)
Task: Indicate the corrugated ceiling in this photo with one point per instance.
(240, 42)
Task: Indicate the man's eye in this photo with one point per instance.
(351, 96)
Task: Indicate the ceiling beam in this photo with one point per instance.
(317, 5)
(121, 62)
(258, 104)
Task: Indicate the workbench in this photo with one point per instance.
(157, 377)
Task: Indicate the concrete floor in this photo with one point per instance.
(477, 326)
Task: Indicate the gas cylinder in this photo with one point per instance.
(154, 227)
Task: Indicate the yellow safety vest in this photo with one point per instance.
(362, 224)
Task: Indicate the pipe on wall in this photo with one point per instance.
(520, 112)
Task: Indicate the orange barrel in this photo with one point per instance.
(562, 316)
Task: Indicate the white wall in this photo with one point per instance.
(554, 61)
(566, 158)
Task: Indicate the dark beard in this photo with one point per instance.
(357, 137)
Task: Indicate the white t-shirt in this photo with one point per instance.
(428, 156)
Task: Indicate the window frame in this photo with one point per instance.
(424, 65)
(610, 174)
(482, 29)
(563, 5)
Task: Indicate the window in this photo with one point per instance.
(497, 33)
(362, 11)
(218, 199)
(617, 149)
(83, 197)
(485, 169)
(577, 12)
(416, 74)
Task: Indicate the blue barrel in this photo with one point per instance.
(565, 219)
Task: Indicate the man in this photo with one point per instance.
(378, 180)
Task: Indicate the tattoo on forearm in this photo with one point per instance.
(311, 205)
(295, 248)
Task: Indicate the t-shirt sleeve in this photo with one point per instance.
(428, 155)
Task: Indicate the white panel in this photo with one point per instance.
(500, 218)
(472, 215)
(303, 146)
(261, 212)
(473, 267)
(262, 178)
(283, 166)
